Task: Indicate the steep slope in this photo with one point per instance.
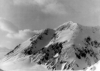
(3, 51)
(69, 47)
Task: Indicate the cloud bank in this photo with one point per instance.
(13, 36)
(22, 34)
(13, 32)
(46, 6)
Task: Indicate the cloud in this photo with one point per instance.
(54, 8)
(13, 32)
(28, 2)
(22, 34)
(13, 35)
(7, 26)
(1, 45)
(41, 2)
(22, 2)
(47, 6)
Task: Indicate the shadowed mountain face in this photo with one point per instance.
(69, 47)
(1, 70)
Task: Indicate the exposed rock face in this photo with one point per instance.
(69, 47)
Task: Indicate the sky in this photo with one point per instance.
(19, 18)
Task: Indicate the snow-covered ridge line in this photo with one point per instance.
(70, 46)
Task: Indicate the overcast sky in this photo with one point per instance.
(18, 18)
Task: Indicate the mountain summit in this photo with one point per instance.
(70, 46)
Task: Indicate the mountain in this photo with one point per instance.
(70, 46)
(3, 51)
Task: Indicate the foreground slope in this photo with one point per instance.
(68, 47)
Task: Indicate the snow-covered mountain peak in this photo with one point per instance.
(70, 28)
(66, 25)
(70, 46)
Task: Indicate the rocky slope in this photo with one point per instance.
(68, 47)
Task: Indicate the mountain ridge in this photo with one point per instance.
(70, 46)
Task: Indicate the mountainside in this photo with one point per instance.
(3, 51)
(70, 46)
